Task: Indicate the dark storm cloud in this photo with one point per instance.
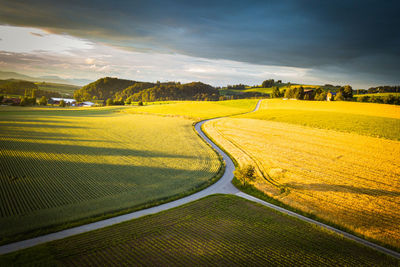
(359, 36)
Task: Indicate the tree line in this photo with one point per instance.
(127, 91)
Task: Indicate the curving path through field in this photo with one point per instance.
(222, 186)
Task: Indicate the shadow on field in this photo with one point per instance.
(35, 147)
(343, 188)
(39, 125)
(22, 135)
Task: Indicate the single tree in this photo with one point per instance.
(109, 102)
(62, 103)
(43, 101)
(140, 103)
(246, 174)
(347, 92)
(275, 92)
(339, 96)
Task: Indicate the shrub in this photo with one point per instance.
(339, 96)
(363, 98)
(43, 101)
(109, 102)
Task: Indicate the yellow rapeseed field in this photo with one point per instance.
(345, 178)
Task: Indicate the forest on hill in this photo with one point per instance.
(126, 91)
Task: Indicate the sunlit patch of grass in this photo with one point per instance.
(362, 118)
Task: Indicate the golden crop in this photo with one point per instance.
(348, 179)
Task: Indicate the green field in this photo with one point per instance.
(378, 94)
(376, 120)
(64, 89)
(198, 109)
(64, 166)
(219, 230)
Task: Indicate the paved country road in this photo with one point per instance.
(222, 186)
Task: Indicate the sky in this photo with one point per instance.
(216, 42)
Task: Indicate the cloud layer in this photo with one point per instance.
(358, 37)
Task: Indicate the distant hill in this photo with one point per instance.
(50, 79)
(64, 89)
(177, 91)
(126, 90)
(103, 88)
(21, 87)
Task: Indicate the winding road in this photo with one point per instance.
(222, 186)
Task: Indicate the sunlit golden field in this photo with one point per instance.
(60, 166)
(345, 178)
(371, 109)
(377, 120)
(198, 109)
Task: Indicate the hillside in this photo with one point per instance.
(20, 87)
(102, 89)
(64, 89)
(177, 91)
(49, 79)
(126, 91)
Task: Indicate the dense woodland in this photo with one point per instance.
(126, 91)
(103, 88)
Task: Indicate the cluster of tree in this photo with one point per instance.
(389, 99)
(124, 91)
(268, 83)
(133, 89)
(103, 88)
(294, 92)
(16, 87)
(344, 93)
(384, 89)
(236, 86)
(276, 93)
(176, 91)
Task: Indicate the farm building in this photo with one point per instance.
(330, 96)
(56, 101)
(309, 93)
(86, 104)
(11, 101)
